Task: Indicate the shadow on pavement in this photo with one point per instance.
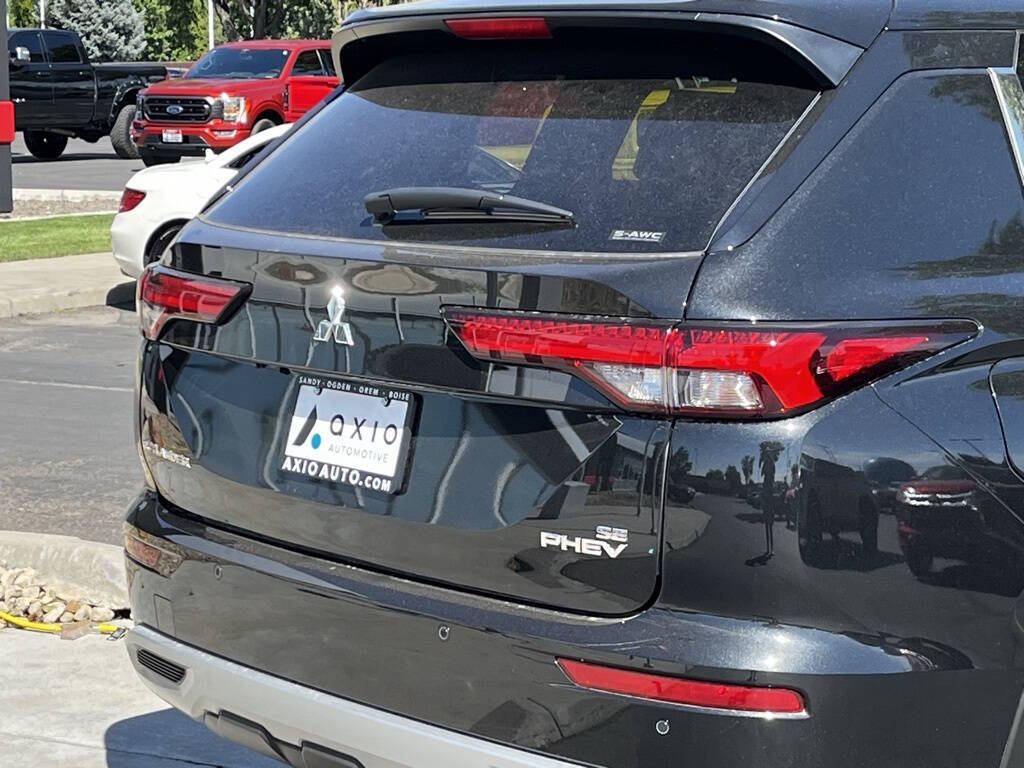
(159, 738)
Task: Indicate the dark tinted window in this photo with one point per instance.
(28, 40)
(241, 63)
(62, 48)
(325, 55)
(646, 161)
(307, 63)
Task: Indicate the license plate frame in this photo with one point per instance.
(338, 431)
(171, 136)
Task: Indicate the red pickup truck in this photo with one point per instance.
(235, 90)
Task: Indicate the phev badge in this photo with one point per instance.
(607, 542)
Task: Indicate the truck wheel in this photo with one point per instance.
(121, 134)
(149, 157)
(262, 125)
(45, 145)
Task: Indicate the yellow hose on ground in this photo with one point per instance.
(38, 626)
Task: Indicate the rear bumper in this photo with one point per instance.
(283, 719)
(257, 615)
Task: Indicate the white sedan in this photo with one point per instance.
(157, 202)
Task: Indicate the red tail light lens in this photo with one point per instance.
(164, 294)
(511, 28)
(130, 198)
(694, 693)
(738, 369)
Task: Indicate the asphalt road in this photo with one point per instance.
(82, 166)
(67, 460)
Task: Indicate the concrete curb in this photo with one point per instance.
(85, 569)
(65, 195)
(39, 286)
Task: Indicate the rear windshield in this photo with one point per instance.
(241, 63)
(647, 159)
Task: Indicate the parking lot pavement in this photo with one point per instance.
(67, 460)
(82, 166)
(79, 704)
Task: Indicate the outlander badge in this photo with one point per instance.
(335, 326)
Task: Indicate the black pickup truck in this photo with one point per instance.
(58, 93)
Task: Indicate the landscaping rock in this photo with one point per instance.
(100, 613)
(24, 594)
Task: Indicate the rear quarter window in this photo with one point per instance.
(646, 157)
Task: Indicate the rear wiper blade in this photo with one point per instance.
(458, 203)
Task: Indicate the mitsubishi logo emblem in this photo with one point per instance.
(335, 325)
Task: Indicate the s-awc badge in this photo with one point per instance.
(637, 235)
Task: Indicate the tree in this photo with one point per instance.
(244, 20)
(24, 13)
(111, 30)
(732, 477)
(175, 29)
(747, 467)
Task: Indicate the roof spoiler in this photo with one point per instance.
(826, 59)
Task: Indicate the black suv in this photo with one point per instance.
(597, 384)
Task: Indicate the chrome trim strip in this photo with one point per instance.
(1010, 95)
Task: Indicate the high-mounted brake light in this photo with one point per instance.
(730, 368)
(675, 690)
(164, 294)
(508, 28)
(130, 198)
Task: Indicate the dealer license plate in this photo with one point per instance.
(348, 433)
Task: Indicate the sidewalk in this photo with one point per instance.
(78, 704)
(67, 282)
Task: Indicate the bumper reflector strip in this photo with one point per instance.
(675, 690)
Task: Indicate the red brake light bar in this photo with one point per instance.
(730, 368)
(507, 28)
(675, 690)
(165, 294)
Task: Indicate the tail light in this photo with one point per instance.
(164, 294)
(130, 198)
(508, 28)
(286, 97)
(693, 693)
(732, 369)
